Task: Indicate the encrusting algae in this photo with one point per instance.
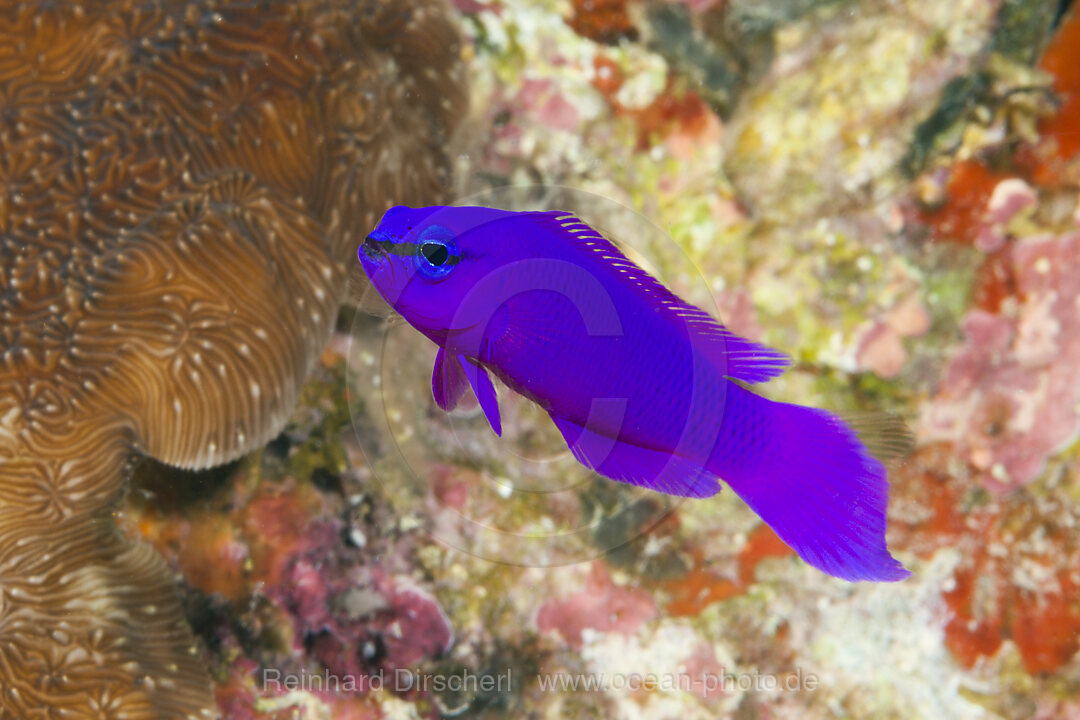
(181, 183)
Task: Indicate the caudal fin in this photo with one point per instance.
(805, 473)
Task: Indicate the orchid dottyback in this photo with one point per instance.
(645, 388)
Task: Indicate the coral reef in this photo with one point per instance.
(1009, 395)
(867, 206)
(887, 191)
(180, 186)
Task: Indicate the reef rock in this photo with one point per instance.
(181, 185)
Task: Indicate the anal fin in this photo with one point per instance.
(644, 467)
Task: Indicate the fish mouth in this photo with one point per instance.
(375, 248)
(378, 246)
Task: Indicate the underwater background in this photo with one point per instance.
(886, 190)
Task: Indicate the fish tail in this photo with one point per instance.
(807, 475)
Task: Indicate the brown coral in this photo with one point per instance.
(605, 21)
(181, 185)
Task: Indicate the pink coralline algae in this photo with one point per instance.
(1009, 397)
(543, 101)
(277, 565)
(881, 347)
(355, 619)
(702, 663)
(531, 103)
(602, 606)
(1010, 197)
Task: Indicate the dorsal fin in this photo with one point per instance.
(734, 356)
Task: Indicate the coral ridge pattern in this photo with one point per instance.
(180, 188)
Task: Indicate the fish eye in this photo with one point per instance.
(436, 252)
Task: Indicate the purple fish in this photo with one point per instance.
(645, 388)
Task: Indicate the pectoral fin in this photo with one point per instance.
(485, 391)
(448, 381)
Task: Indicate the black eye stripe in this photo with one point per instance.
(410, 248)
(404, 248)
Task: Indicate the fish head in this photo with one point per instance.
(425, 262)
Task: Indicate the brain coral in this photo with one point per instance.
(181, 184)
